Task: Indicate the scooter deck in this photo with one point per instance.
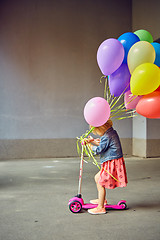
(107, 206)
(76, 204)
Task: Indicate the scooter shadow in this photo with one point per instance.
(147, 206)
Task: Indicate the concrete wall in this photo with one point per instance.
(145, 15)
(146, 137)
(146, 132)
(48, 71)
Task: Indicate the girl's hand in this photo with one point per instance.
(90, 139)
(87, 140)
(97, 141)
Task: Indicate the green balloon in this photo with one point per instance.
(144, 35)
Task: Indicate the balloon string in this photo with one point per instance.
(89, 153)
(110, 174)
(96, 163)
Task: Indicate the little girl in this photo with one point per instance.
(111, 159)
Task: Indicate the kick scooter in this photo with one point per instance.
(76, 204)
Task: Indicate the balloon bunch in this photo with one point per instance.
(131, 64)
(131, 69)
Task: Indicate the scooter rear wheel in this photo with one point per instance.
(75, 206)
(123, 205)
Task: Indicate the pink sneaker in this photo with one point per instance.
(96, 211)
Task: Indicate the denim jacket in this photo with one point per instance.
(109, 147)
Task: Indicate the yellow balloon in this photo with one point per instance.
(145, 79)
(141, 52)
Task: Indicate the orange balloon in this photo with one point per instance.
(149, 105)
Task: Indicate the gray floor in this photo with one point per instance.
(34, 198)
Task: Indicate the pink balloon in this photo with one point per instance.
(110, 56)
(96, 111)
(131, 100)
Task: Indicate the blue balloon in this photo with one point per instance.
(127, 40)
(157, 50)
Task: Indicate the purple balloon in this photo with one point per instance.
(119, 81)
(110, 56)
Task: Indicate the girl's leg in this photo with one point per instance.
(101, 191)
(100, 209)
(96, 177)
(101, 195)
(96, 201)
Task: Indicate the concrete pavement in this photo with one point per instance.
(34, 195)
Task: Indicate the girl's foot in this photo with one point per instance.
(95, 201)
(96, 211)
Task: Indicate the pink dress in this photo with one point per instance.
(117, 169)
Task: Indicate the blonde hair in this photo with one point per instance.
(102, 129)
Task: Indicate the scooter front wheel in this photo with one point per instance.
(75, 206)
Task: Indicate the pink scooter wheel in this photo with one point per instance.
(123, 205)
(75, 206)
